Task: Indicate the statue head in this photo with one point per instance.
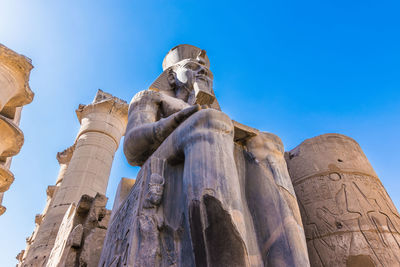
(186, 75)
(155, 190)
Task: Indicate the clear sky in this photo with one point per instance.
(294, 68)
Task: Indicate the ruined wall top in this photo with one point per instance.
(338, 148)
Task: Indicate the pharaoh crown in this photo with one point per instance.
(185, 51)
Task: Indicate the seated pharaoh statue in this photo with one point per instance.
(211, 191)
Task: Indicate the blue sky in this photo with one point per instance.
(294, 68)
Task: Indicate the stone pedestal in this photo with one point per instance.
(103, 124)
(349, 218)
(14, 93)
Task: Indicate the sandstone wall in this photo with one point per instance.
(349, 218)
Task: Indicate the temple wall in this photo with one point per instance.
(349, 218)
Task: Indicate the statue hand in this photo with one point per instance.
(182, 115)
(166, 126)
(170, 105)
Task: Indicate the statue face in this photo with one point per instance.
(155, 189)
(191, 72)
(191, 75)
(155, 194)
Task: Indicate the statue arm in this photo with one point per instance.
(145, 132)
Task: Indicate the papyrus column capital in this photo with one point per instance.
(14, 78)
(11, 141)
(106, 114)
(11, 138)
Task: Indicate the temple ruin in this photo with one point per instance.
(211, 191)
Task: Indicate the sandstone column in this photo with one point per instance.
(349, 218)
(103, 124)
(48, 214)
(14, 93)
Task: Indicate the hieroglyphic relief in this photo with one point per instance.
(348, 217)
(120, 229)
(137, 219)
(149, 219)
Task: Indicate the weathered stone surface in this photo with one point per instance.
(49, 216)
(6, 179)
(80, 237)
(20, 255)
(84, 168)
(76, 236)
(349, 218)
(14, 93)
(207, 193)
(14, 78)
(123, 190)
(11, 137)
(2, 208)
(11, 141)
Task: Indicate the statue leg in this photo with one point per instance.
(210, 180)
(279, 230)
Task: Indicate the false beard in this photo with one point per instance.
(202, 92)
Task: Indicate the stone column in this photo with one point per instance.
(103, 123)
(48, 214)
(14, 93)
(63, 159)
(349, 218)
(14, 77)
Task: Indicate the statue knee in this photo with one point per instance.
(213, 121)
(206, 125)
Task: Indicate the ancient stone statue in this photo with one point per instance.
(211, 192)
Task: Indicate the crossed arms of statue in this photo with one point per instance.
(152, 117)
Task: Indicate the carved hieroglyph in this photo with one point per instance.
(103, 124)
(14, 93)
(211, 192)
(349, 218)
